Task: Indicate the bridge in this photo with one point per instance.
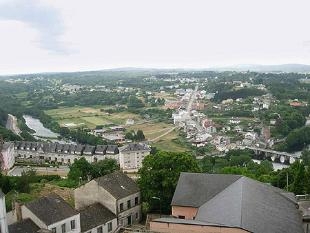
(273, 154)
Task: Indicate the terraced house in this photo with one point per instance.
(63, 153)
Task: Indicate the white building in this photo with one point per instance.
(7, 157)
(3, 221)
(52, 213)
(118, 193)
(132, 155)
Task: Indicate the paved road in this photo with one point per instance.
(62, 170)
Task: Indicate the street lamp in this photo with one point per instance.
(159, 199)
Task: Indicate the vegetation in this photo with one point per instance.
(159, 176)
(81, 170)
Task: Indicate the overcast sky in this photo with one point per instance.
(72, 35)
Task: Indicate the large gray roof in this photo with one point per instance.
(51, 209)
(118, 184)
(136, 147)
(194, 189)
(95, 215)
(25, 226)
(244, 203)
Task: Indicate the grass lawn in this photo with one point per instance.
(166, 143)
(89, 116)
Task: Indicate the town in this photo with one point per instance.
(233, 133)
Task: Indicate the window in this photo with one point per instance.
(72, 224)
(121, 207)
(109, 226)
(137, 215)
(128, 204)
(99, 230)
(63, 228)
(54, 229)
(136, 200)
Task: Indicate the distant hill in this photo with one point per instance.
(287, 68)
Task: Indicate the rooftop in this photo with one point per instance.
(135, 147)
(51, 209)
(95, 215)
(118, 184)
(25, 226)
(240, 202)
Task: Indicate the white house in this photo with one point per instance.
(132, 155)
(52, 213)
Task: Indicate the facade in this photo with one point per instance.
(3, 220)
(52, 213)
(229, 204)
(7, 157)
(117, 192)
(63, 153)
(132, 155)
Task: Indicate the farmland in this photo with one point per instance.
(89, 117)
(162, 135)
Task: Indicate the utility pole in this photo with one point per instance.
(286, 181)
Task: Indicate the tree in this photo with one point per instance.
(305, 156)
(140, 135)
(159, 176)
(80, 169)
(104, 167)
(298, 185)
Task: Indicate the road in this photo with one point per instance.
(11, 124)
(62, 170)
(192, 98)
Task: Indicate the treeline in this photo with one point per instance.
(287, 119)
(235, 94)
(296, 140)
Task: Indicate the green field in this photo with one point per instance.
(89, 117)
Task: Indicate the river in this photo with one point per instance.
(37, 126)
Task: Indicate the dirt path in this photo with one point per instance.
(164, 134)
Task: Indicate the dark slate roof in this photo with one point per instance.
(79, 148)
(25, 226)
(89, 149)
(101, 149)
(51, 209)
(95, 215)
(195, 189)
(244, 203)
(118, 184)
(112, 149)
(136, 147)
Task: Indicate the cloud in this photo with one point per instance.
(45, 19)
